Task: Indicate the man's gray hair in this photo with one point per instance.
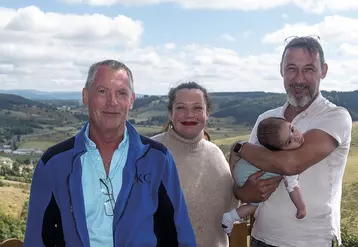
(113, 64)
(309, 43)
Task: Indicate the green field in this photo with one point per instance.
(231, 140)
(149, 130)
(12, 199)
(21, 158)
(46, 139)
(350, 186)
(43, 145)
(148, 114)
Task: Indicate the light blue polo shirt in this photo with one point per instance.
(100, 225)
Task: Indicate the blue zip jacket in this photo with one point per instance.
(150, 210)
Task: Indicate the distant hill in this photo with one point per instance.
(7, 101)
(246, 109)
(242, 107)
(19, 116)
(229, 110)
(43, 95)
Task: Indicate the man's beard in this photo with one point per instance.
(300, 100)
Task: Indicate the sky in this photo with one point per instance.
(226, 45)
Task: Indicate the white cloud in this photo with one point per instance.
(169, 46)
(334, 28)
(113, 2)
(67, 29)
(211, 4)
(313, 6)
(354, 80)
(52, 51)
(348, 50)
(227, 37)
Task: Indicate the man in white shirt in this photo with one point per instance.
(320, 161)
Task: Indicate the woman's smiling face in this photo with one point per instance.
(189, 113)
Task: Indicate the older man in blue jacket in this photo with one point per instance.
(107, 186)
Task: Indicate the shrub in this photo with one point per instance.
(348, 239)
(11, 227)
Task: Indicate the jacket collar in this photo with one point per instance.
(135, 141)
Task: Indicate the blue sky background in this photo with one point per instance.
(171, 23)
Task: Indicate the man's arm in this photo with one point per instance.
(40, 197)
(173, 226)
(233, 157)
(326, 135)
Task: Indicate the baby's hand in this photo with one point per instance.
(301, 213)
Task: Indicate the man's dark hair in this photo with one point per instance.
(188, 85)
(311, 44)
(269, 132)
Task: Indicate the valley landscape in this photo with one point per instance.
(29, 126)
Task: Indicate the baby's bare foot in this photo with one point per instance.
(301, 213)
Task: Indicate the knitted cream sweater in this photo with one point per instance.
(206, 182)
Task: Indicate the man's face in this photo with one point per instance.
(108, 99)
(302, 72)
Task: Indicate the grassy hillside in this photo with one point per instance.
(12, 200)
(9, 100)
(20, 116)
(350, 186)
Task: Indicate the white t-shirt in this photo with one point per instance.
(321, 184)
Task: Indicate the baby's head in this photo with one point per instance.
(277, 133)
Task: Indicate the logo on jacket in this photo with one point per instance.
(144, 178)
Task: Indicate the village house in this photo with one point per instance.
(27, 151)
(5, 161)
(5, 149)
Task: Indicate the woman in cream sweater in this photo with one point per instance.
(203, 170)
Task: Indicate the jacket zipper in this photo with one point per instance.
(129, 195)
(69, 192)
(75, 224)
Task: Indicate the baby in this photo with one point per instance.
(275, 134)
